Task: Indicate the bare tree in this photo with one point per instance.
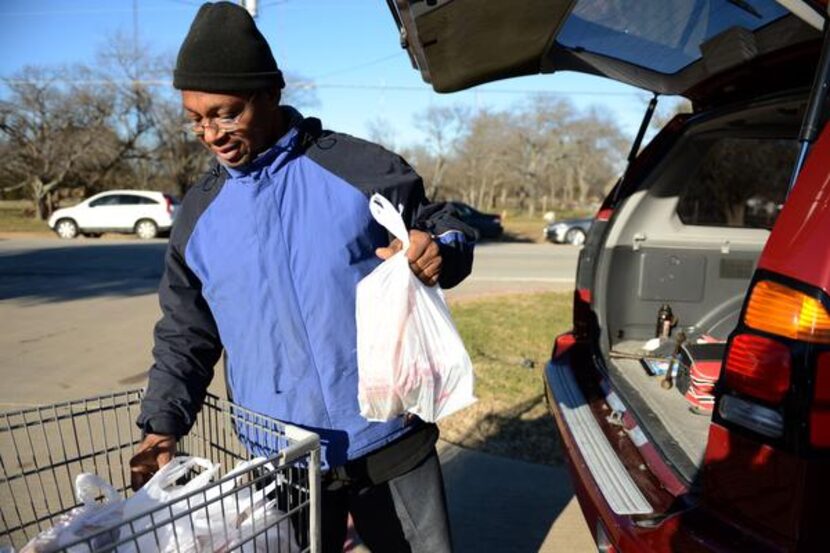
(381, 132)
(78, 126)
(444, 127)
(117, 124)
(484, 159)
(543, 151)
(666, 111)
(52, 129)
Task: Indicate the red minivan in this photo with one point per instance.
(693, 394)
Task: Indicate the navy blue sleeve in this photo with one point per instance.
(456, 240)
(371, 168)
(187, 343)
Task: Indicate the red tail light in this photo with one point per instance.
(604, 214)
(759, 367)
(169, 201)
(765, 368)
(582, 313)
(784, 311)
(820, 413)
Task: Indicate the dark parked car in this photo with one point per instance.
(692, 396)
(568, 231)
(487, 225)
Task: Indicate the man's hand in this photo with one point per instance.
(155, 451)
(423, 254)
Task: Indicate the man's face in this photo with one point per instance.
(251, 117)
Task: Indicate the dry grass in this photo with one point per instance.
(16, 216)
(509, 339)
(520, 226)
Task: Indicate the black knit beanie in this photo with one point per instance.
(224, 51)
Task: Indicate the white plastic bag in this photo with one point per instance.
(410, 357)
(162, 533)
(232, 514)
(84, 521)
(221, 518)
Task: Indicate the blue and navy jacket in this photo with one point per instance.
(263, 262)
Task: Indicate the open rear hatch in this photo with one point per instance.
(665, 46)
(686, 230)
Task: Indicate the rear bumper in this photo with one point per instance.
(609, 496)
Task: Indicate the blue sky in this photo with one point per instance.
(349, 48)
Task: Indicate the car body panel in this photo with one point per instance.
(803, 225)
(457, 44)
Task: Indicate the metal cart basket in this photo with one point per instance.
(43, 449)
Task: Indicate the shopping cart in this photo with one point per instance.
(43, 449)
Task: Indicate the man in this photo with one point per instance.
(263, 262)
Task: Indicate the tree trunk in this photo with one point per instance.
(42, 197)
(582, 186)
(735, 214)
(41, 208)
(36, 187)
(437, 174)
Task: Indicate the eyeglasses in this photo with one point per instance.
(225, 124)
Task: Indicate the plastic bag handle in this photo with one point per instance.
(160, 484)
(241, 468)
(88, 486)
(390, 218)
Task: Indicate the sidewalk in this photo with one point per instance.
(501, 504)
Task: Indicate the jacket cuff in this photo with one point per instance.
(457, 262)
(162, 425)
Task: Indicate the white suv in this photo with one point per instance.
(141, 212)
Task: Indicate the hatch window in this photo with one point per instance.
(740, 182)
(660, 35)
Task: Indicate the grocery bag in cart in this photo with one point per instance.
(217, 497)
(97, 520)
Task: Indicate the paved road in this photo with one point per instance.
(70, 309)
(501, 267)
(76, 319)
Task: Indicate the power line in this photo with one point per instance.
(92, 11)
(274, 3)
(311, 85)
(410, 88)
(359, 66)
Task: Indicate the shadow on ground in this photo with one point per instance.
(501, 504)
(511, 238)
(501, 496)
(81, 271)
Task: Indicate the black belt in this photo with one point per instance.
(394, 459)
